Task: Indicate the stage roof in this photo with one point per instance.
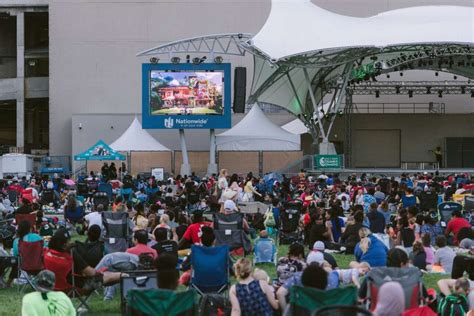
(298, 26)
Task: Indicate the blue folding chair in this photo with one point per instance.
(264, 251)
(107, 188)
(210, 269)
(75, 216)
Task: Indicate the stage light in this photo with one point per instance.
(428, 90)
(203, 59)
(377, 94)
(463, 90)
(175, 60)
(388, 76)
(397, 89)
(440, 93)
(436, 74)
(401, 74)
(154, 60)
(472, 93)
(410, 93)
(455, 77)
(218, 60)
(196, 60)
(188, 59)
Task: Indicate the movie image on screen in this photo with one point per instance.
(186, 93)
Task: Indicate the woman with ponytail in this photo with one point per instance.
(370, 249)
(249, 296)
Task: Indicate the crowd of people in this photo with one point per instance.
(378, 221)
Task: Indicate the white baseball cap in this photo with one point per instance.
(319, 245)
(315, 256)
(230, 205)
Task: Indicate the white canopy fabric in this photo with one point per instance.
(297, 26)
(135, 138)
(295, 127)
(257, 132)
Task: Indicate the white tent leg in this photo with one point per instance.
(185, 166)
(212, 166)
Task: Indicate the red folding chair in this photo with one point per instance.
(30, 260)
(60, 264)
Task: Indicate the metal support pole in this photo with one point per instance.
(338, 94)
(315, 104)
(185, 166)
(348, 129)
(212, 166)
(20, 74)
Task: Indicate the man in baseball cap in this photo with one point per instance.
(45, 300)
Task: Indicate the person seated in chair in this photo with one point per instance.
(167, 274)
(92, 250)
(163, 243)
(140, 240)
(24, 233)
(25, 207)
(264, 248)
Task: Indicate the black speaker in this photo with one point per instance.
(240, 84)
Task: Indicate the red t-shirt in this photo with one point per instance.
(455, 225)
(193, 232)
(141, 248)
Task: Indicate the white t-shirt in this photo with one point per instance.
(94, 218)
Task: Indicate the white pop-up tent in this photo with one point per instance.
(257, 132)
(135, 138)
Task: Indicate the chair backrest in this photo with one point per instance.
(235, 239)
(469, 203)
(232, 221)
(163, 302)
(115, 224)
(107, 188)
(409, 278)
(210, 266)
(445, 209)
(31, 255)
(101, 198)
(136, 280)
(342, 310)
(47, 196)
(305, 300)
(30, 218)
(264, 251)
(76, 214)
(60, 264)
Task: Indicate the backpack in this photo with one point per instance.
(215, 305)
(145, 262)
(269, 218)
(453, 305)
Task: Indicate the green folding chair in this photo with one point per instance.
(162, 302)
(307, 301)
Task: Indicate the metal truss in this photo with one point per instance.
(412, 87)
(225, 44)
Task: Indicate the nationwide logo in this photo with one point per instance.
(191, 121)
(169, 122)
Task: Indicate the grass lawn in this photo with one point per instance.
(10, 299)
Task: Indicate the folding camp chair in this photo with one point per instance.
(306, 300)
(6, 263)
(60, 264)
(47, 197)
(136, 280)
(264, 251)
(126, 194)
(30, 218)
(30, 261)
(107, 188)
(342, 310)
(228, 230)
(409, 278)
(117, 231)
(210, 269)
(445, 209)
(162, 302)
(13, 197)
(101, 198)
(81, 294)
(468, 203)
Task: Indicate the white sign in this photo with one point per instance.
(158, 173)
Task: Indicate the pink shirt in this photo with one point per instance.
(141, 248)
(429, 255)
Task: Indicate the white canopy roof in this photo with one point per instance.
(257, 132)
(297, 26)
(135, 138)
(295, 127)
